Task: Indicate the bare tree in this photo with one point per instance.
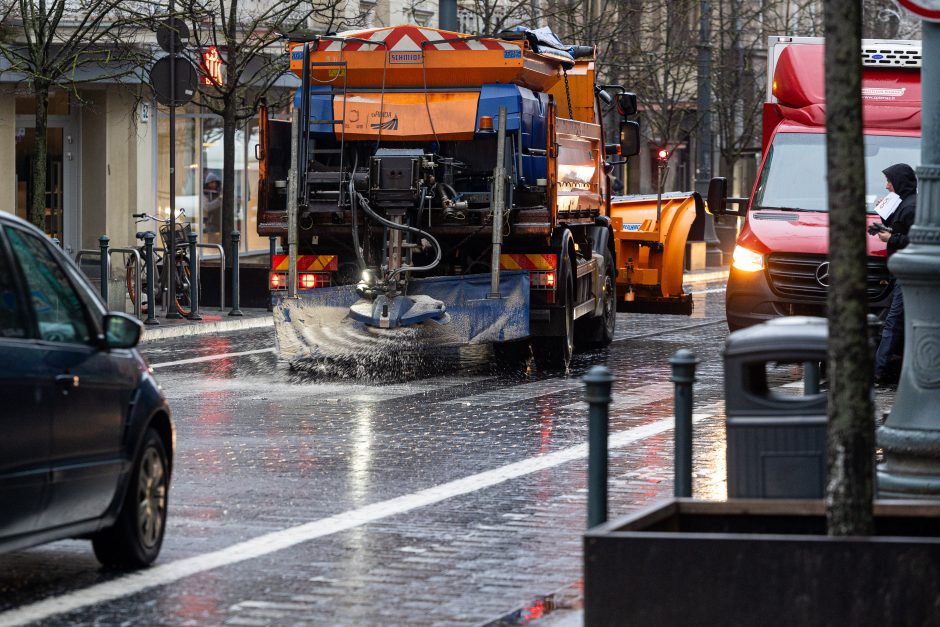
(248, 38)
(64, 43)
(738, 79)
(851, 431)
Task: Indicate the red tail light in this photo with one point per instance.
(550, 279)
(307, 280)
(278, 281)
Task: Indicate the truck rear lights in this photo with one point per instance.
(277, 281)
(747, 260)
(305, 280)
(542, 280)
(311, 280)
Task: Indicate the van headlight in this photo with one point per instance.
(747, 260)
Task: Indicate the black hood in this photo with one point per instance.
(902, 178)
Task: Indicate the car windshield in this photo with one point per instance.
(794, 175)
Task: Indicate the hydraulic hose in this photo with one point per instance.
(408, 229)
(354, 211)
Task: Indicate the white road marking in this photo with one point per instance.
(268, 543)
(714, 291)
(199, 360)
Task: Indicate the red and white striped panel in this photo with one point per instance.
(409, 39)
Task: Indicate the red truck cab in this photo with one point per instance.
(780, 264)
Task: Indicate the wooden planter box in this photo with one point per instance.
(762, 562)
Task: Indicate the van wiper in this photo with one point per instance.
(772, 208)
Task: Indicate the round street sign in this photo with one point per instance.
(186, 80)
(925, 9)
(175, 30)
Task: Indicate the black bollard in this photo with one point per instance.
(105, 263)
(273, 241)
(597, 383)
(148, 253)
(193, 280)
(235, 310)
(683, 375)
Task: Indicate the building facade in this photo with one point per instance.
(108, 152)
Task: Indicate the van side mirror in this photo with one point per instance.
(718, 196)
(629, 138)
(626, 104)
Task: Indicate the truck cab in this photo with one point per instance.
(780, 262)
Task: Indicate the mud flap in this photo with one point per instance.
(316, 323)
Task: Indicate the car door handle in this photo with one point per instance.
(66, 382)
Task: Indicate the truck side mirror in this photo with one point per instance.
(629, 138)
(718, 196)
(626, 104)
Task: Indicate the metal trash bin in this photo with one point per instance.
(776, 443)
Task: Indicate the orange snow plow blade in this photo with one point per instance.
(651, 252)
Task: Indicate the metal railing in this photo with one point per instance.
(221, 250)
(106, 253)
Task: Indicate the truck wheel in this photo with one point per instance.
(137, 535)
(554, 352)
(598, 331)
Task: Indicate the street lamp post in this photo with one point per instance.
(911, 435)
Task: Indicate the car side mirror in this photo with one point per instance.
(626, 104)
(718, 196)
(629, 138)
(121, 330)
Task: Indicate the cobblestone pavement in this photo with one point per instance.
(452, 497)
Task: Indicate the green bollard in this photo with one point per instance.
(683, 375)
(148, 253)
(236, 311)
(811, 376)
(193, 280)
(597, 384)
(105, 262)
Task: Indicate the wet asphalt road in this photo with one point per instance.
(452, 496)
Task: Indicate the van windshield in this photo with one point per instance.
(794, 175)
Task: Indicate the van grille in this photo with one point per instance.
(891, 56)
(794, 276)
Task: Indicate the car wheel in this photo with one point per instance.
(137, 535)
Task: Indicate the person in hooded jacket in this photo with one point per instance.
(902, 181)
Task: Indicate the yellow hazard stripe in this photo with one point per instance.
(527, 261)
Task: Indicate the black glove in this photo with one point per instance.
(876, 227)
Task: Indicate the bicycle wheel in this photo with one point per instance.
(129, 280)
(183, 281)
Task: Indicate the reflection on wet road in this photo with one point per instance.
(450, 495)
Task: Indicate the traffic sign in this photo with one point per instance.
(186, 80)
(924, 9)
(173, 30)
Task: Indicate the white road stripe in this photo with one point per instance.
(199, 360)
(717, 290)
(266, 544)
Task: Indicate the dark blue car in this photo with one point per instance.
(86, 446)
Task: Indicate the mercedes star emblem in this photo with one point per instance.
(822, 274)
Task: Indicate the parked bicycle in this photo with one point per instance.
(180, 265)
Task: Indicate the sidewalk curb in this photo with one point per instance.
(709, 276)
(153, 333)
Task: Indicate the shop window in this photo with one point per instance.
(59, 103)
